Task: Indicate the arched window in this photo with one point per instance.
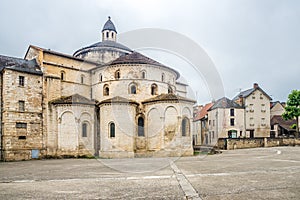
(117, 74)
(62, 75)
(132, 88)
(82, 79)
(153, 89)
(163, 77)
(170, 90)
(100, 77)
(112, 34)
(143, 74)
(141, 130)
(107, 36)
(105, 90)
(185, 127)
(112, 130)
(84, 129)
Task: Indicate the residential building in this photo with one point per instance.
(257, 111)
(226, 120)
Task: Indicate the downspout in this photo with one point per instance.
(1, 117)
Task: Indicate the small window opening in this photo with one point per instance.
(153, 89)
(141, 131)
(84, 130)
(21, 80)
(112, 130)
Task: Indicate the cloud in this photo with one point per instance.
(249, 41)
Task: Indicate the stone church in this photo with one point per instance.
(105, 100)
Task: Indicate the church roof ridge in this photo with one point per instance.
(118, 99)
(168, 97)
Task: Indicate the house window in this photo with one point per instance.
(117, 74)
(112, 130)
(251, 108)
(261, 96)
(21, 80)
(22, 106)
(82, 79)
(209, 122)
(263, 108)
(163, 77)
(213, 122)
(231, 112)
(185, 127)
(231, 122)
(213, 134)
(62, 75)
(141, 131)
(105, 90)
(253, 96)
(251, 121)
(22, 137)
(21, 125)
(132, 89)
(100, 77)
(84, 129)
(153, 89)
(263, 121)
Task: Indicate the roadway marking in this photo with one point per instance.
(187, 188)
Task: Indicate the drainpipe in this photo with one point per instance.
(1, 117)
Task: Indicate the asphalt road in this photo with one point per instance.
(263, 173)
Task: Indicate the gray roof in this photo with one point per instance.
(109, 26)
(103, 44)
(225, 103)
(19, 64)
(246, 93)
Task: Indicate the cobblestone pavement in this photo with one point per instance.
(263, 173)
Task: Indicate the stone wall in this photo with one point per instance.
(22, 127)
(244, 143)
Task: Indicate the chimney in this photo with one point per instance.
(255, 85)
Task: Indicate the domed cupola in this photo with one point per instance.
(109, 31)
(105, 51)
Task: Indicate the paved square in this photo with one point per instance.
(263, 173)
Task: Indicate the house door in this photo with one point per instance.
(251, 133)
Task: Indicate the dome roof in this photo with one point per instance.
(107, 44)
(109, 26)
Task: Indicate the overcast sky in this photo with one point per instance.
(248, 40)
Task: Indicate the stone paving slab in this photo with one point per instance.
(264, 173)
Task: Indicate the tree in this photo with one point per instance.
(292, 109)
